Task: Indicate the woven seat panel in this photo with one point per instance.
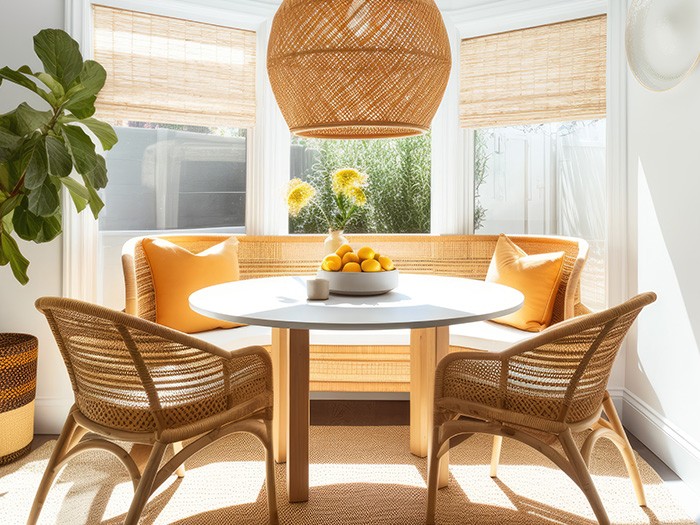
(156, 384)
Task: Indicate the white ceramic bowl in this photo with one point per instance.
(360, 283)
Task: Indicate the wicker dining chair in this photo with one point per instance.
(539, 391)
(143, 383)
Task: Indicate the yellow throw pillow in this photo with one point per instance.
(536, 276)
(177, 273)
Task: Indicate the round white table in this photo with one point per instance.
(426, 304)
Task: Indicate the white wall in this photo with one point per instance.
(18, 24)
(662, 376)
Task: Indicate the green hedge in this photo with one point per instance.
(399, 183)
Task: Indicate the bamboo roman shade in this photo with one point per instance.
(542, 74)
(174, 71)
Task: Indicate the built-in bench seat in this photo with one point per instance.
(367, 361)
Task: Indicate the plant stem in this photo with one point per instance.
(328, 222)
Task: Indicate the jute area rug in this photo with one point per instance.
(359, 475)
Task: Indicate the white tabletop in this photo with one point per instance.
(420, 301)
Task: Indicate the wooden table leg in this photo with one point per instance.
(428, 346)
(299, 419)
(280, 387)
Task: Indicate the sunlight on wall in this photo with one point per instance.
(664, 370)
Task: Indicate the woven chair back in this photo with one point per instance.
(133, 375)
(561, 375)
(268, 256)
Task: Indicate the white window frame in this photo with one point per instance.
(267, 142)
(498, 17)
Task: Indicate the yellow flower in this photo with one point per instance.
(357, 195)
(346, 179)
(299, 194)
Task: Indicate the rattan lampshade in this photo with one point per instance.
(358, 68)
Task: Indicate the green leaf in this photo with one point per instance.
(9, 140)
(84, 108)
(4, 174)
(26, 224)
(6, 222)
(31, 227)
(59, 54)
(84, 94)
(90, 165)
(60, 163)
(44, 200)
(53, 84)
(78, 193)
(97, 177)
(25, 120)
(10, 204)
(91, 80)
(22, 80)
(103, 131)
(35, 159)
(51, 228)
(11, 253)
(95, 202)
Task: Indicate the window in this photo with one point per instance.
(181, 95)
(546, 179)
(398, 191)
(535, 102)
(175, 177)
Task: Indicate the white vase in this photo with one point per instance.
(334, 241)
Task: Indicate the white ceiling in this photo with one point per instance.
(444, 5)
(468, 17)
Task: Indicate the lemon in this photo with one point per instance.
(350, 257)
(331, 263)
(386, 263)
(365, 253)
(352, 267)
(370, 265)
(376, 256)
(345, 248)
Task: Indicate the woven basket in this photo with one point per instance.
(18, 355)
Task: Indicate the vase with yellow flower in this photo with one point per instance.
(348, 190)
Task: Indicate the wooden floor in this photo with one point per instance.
(378, 413)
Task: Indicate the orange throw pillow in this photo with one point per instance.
(178, 273)
(536, 276)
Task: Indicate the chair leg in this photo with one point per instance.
(627, 453)
(177, 447)
(496, 455)
(63, 445)
(270, 476)
(585, 482)
(143, 492)
(433, 472)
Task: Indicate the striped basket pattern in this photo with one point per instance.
(18, 357)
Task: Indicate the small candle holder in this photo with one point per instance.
(318, 289)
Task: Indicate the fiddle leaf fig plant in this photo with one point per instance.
(43, 151)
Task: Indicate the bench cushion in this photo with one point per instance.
(482, 335)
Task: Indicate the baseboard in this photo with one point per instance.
(50, 414)
(663, 437)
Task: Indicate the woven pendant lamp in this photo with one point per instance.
(358, 68)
